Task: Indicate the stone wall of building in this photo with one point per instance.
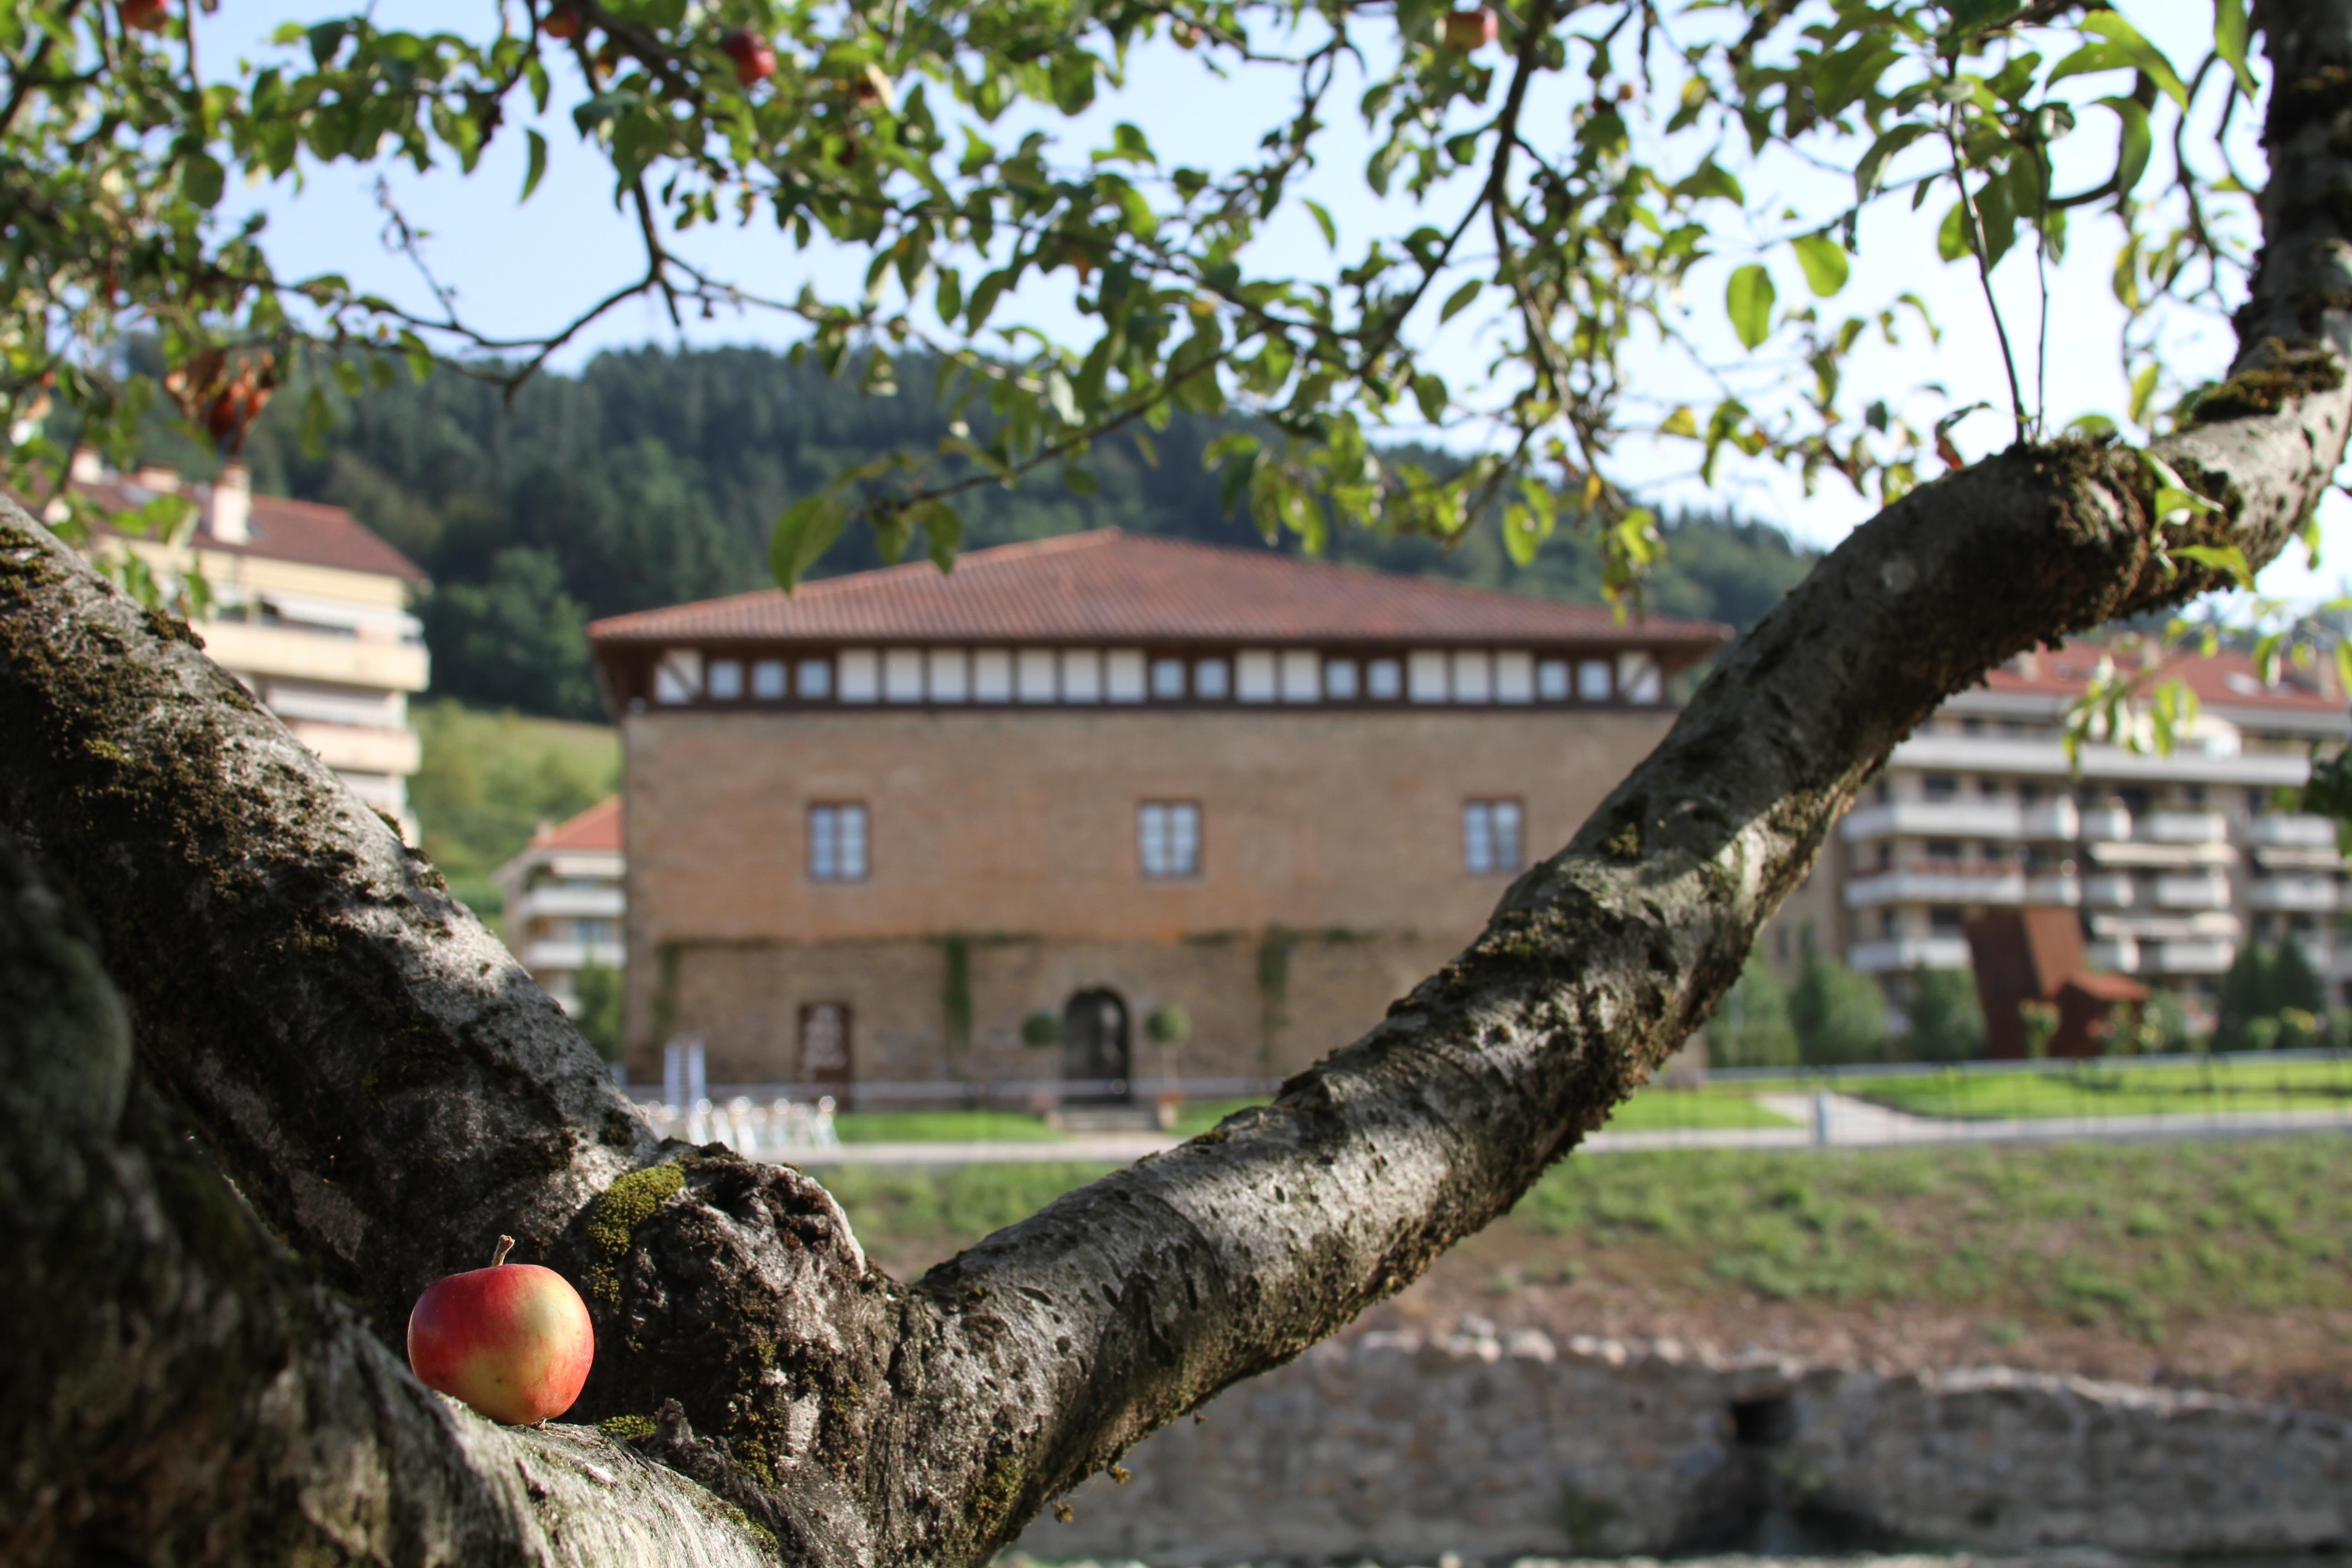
(1334, 836)
(1260, 1004)
(1399, 1449)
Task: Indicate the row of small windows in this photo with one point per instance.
(1167, 839)
(1081, 675)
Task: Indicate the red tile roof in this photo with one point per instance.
(2227, 680)
(1108, 585)
(281, 530)
(598, 827)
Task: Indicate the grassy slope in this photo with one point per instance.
(2120, 1089)
(488, 780)
(2134, 1237)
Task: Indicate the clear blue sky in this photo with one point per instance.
(527, 269)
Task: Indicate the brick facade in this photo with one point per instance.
(1332, 875)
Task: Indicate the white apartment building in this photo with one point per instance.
(2173, 861)
(311, 611)
(564, 901)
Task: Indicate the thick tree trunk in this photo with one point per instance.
(388, 1091)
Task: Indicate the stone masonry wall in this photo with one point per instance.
(1023, 825)
(1252, 1016)
(1396, 1448)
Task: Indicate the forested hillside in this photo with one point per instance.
(653, 477)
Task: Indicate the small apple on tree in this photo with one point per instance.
(562, 22)
(513, 1341)
(146, 16)
(754, 60)
(1469, 30)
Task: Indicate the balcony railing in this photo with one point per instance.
(556, 902)
(2193, 958)
(1909, 952)
(1935, 884)
(2292, 830)
(2183, 827)
(2192, 892)
(1933, 819)
(574, 955)
(2312, 894)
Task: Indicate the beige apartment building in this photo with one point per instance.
(564, 900)
(2172, 860)
(921, 828)
(310, 610)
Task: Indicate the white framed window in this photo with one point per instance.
(724, 681)
(991, 675)
(1168, 680)
(678, 675)
(1638, 679)
(1474, 678)
(1552, 680)
(902, 675)
(1384, 679)
(1123, 675)
(1167, 839)
(950, 675)
(1515, 676)
(836, 842)
(1592, 681)
(1300, 669)
(1253, 674)
(1340, 679)
(1425, 676)
(861, 674)
(1082, 675)
(1034, 675)
(815, 677)
(1491, 836)
(768, 680)
(1212, 679)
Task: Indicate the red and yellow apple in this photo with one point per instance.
(147, 16)
(513, 1341)
(1469, 30)
(562, 22)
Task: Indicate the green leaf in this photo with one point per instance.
(2230, 42)
(1824, 261)
(1459, 300)
(1323, 221)
(803, 535)
(942, 531)
(2134, 145)
(1872, 167)
(2226, 558)
(201, 179)
(1952, 233)
(1679, 423)
(2120, 47)
(1749, 297)
(537, 169)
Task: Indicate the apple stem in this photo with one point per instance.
(506, 1244)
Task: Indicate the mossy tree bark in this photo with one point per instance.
(387, 1089)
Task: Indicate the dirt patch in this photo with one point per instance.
(2295, 1356)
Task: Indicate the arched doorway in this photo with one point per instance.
(1095, 1047)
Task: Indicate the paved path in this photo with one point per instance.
(1850, 1124)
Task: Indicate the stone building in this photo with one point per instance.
(563, 900)
(906, 827)
(310, 610)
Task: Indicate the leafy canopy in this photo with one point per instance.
(1557, 186)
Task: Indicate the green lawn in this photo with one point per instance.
(1651, 1110)
(2130, 1237)
(1661, 1109)
(942, 1126)
(2117, 1089)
